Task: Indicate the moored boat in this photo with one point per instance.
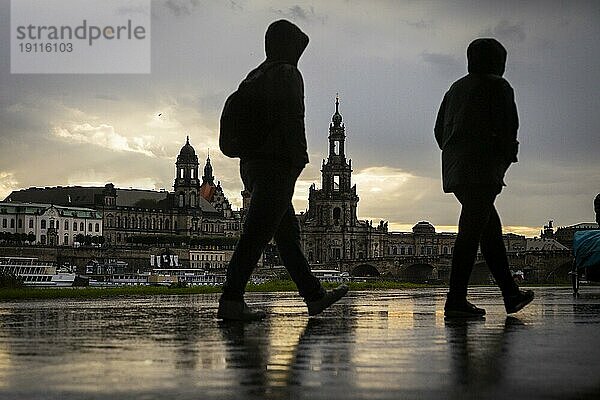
(36, 273)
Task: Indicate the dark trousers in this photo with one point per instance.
(479, 224)
(270, 215)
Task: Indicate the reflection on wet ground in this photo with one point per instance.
(392, 344)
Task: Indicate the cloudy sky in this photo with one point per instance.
(390, 61)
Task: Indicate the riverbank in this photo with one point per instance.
(128, 291)
(91, 293)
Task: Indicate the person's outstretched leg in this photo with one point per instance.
(287, 239)
(494, 252)
(476, 206)
(271, 194)
(474, 216)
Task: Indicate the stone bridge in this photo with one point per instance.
(537, 267)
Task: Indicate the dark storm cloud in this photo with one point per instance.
(420, 24)
(298, 13)
(234, 5)
(506, 31)
(445, 60)
(181, 7)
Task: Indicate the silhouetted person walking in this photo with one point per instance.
(269, 171)
(476, 128)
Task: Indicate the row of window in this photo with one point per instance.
(213, 228)
(233, 226)
(424, 250)
(52, 224)
(38, 278)
(182, 173)
(207, 265)
(192, 202)
(12, 223)
(400, 251)
(160, 224)
(336, 254)
(139, 223)
(207, 257)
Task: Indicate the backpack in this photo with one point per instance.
(247, 115)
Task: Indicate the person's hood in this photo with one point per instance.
(284, 41)
(486, 56)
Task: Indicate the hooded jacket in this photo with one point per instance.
(284, 88)
(477, 123)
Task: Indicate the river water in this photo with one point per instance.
(390, 344)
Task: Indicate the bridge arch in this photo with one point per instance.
(419, 273)
(365, 270)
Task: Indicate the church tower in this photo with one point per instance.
(337, 172)
(214, 193)
(330, 230)
(338, 200)
(186, 183)
(208, 177)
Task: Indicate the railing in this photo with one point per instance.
(23, 261)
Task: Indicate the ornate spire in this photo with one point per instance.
(337, 118)
(208, 172)
(187, 139)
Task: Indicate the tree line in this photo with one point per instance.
(20, 238)
(9, 237)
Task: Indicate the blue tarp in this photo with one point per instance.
(586, 248)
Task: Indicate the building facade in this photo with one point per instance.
(330, 228)
(564, 234)
(190, 210)
(50, 224)
(210, 259)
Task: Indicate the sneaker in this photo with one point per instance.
(330, 297)
(518, 301)
(235, 310)
(462, 309)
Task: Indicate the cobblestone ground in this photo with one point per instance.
(391, 344)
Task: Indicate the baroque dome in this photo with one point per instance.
(187, 153)
(423, 227)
